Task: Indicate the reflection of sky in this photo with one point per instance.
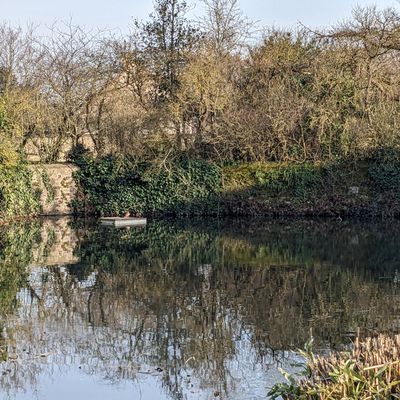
(62, 356)
(74, 385)
(71, 383)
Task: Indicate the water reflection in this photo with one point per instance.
(195, 311)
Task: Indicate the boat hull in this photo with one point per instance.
(121, 222)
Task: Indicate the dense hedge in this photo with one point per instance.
(17, 197)
(114, 186)
(298, 181)
(384, 171)
(110, 185)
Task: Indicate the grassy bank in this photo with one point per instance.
(365, 188)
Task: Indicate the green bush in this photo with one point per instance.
(298, 181)
(9, 155)
(384, 170)
(17, 197)
(110, 185)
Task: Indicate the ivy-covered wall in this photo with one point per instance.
(364, 188)
(114, 186)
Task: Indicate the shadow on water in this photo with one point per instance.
(204, 309)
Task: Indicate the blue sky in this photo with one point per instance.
(119, 13)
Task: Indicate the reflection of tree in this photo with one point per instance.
(319, 269)
(186, 300)
(16, 243)
(15, 255)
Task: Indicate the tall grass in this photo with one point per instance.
(371, 370)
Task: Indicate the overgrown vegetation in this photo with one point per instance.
(113, 185)
(17, 197)
(369, 371)
(16, 194)
(201, 87)
(186, 108)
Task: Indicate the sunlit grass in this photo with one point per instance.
(371, 370)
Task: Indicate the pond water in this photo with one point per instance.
(188, 310)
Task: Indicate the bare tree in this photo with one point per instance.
(17, 56)
(225, 25)
(75, 70)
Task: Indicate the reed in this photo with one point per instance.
(371, 370)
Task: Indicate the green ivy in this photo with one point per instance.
(384, 170)
(113, 186)
(17, 197)
(110, 185)
(51, 193)
(298, 180)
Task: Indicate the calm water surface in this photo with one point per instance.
(184, 310)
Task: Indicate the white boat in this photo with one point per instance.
(123, 221)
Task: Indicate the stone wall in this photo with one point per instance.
(57, 187)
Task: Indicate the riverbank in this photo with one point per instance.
(299, 190)
(368, 188)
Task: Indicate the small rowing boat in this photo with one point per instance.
(123, 221)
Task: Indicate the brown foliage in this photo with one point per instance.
(292, 96)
